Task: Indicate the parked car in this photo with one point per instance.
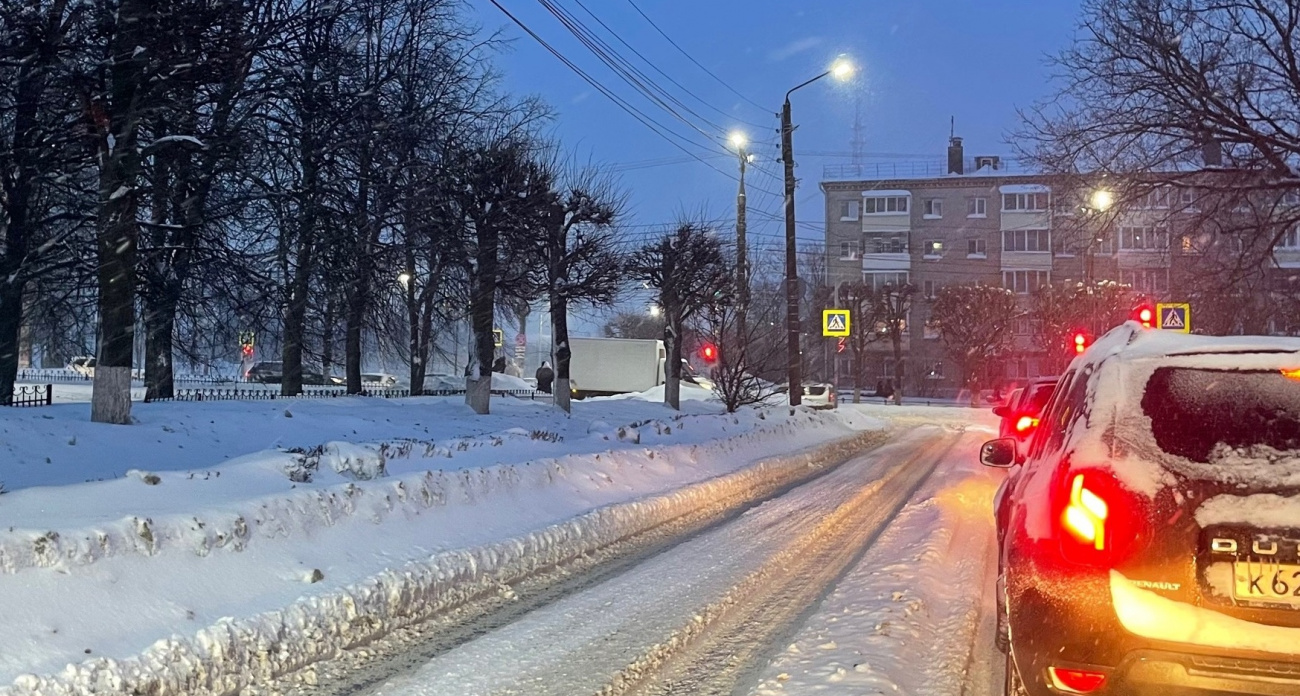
(272, 372)
(83, 365)
(381, 380)
(265, 372)
(816, 395)
(1150, 543)
(1021, 413)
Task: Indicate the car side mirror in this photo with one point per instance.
(1001, 411)
(1000, 453)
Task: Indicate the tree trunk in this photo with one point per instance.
(356, 311)
(857, 376)
(414, 344)
(673, 370)
(295, 319)
(900, 368)
(561, 387)
(478, 388)
(160, 327)
(11, 319)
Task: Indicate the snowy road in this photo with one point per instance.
(748, 603)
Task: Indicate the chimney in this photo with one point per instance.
(1211, 152)
(956, 157)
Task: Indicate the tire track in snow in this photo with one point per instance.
(721, 650)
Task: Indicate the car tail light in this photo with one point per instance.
(1025, 424)
(1076, 681)
(1101, 521)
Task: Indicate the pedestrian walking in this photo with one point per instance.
(545, 375)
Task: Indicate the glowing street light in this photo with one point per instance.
(404, 278)
(841, 69)
(738, 140)
(1102, 200)
(655, 311)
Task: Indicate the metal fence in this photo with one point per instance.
(236, 394)
(30, 395)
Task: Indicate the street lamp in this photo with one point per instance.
(841, 69)
(404, 278)
(655, 311)
(1098, 202)
(739, 142)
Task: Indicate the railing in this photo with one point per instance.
(238, 394)
(30, 395)
(912, 169)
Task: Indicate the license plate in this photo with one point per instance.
(1265, 581)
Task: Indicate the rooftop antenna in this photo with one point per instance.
(952, 126)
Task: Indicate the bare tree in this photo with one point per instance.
(578, 252)
(40, 200)
(1152, 90)
(503, 196)
(894, 307)
(640, 325)
(1062, 310)
(691, 273)
(975, 325)
(863, 304)
(747, 350)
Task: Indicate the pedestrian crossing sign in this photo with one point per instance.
(1174, 317)
(835, 322)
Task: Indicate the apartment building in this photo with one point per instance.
(981, 219)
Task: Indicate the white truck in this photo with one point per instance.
(606, 366)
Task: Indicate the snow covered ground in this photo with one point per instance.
(219, 540)
(905, 619)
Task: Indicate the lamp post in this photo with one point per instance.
(739, 141)
(1099, 202)
(841, 70)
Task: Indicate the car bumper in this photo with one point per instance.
(1079, 630)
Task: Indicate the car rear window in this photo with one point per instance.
(1038, 399)
(1194, 411)
(816, 391)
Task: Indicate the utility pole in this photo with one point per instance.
(794, 359)
(742, 253)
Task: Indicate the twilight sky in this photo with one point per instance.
(921, 62)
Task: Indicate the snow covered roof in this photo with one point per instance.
(886, 192)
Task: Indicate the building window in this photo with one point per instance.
(931, 289)
(1153, 281)
(975, 248)
(977, 207)
(896, 244)
(1026, 240)
(1289, 239)
(933, 249)
(879, 281)
(1187, 197)
(884, 204)
(848, 250)
(934, 370)
(931, 330)
(1025, 201)
(1157, 198)
(1104, 244)
(1143, 238)
(933, 208)
(1023, 326)
(848, 210)
(1024, 282)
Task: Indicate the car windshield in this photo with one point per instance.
(1196, 413)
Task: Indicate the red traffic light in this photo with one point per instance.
(1080, 342)
(248, 351)
(709, 352)
(1146, 315)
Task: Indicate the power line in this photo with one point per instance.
(645, 120)
(692, 58)
(657, 69)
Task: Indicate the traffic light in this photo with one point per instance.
(1146, 314)
(709, 352)
(1080, 342)
(248, 351)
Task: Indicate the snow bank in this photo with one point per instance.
(236, 652)
(688, 392)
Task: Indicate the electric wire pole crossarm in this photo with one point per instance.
(842, 70)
